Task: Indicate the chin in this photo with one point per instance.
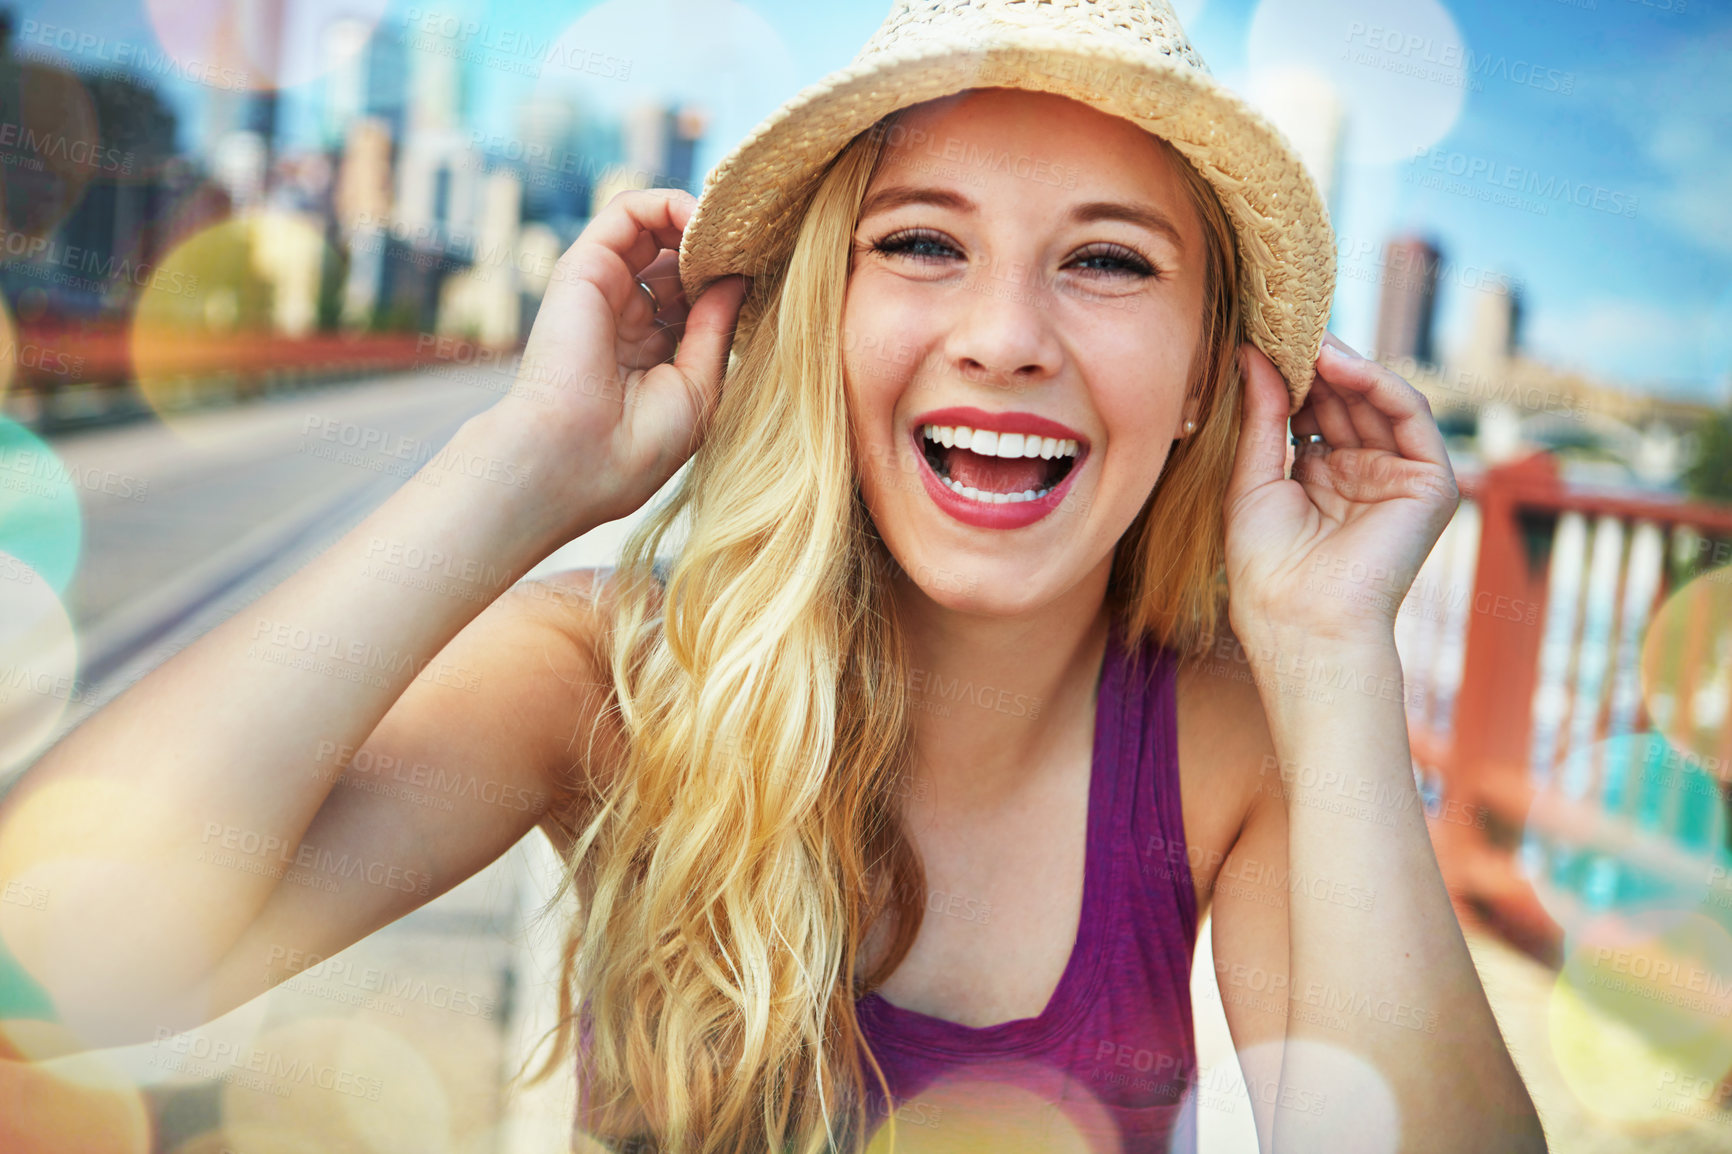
(979, 587)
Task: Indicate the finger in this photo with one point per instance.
(1330, 412)
(590, 270)
(1305, 420)
(645, 341)
(663, 275)
(1413, 428)
(637, 319)
(1261, 456)
(1372, 426)
(660, 305)
(638, 224)
(642, 315)
(702, 356)
(655, 349)
(1303, 454)
(1330, 338)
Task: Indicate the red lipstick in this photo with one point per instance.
(1010, 515)
(1024, 423)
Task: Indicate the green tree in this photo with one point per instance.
(1709, 474)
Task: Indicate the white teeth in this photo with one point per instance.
(994, 444)
(988, 443)
(974, 494)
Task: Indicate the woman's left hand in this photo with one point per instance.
(1331, 551)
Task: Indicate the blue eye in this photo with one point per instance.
(907, 242)
(1123, 257)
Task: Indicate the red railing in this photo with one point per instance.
(1530, 654)
(49, 357)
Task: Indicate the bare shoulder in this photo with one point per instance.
(567, 611)
(562, 617)
(1224, 751)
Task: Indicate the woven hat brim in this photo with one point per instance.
(752, 202)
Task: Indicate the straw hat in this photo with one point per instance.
(1128, 58)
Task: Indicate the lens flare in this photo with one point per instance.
(1639, 1005)
(1003, 1108)
(128, 889)
(342, 1084)
(1188, 11)
(1326, 1097)
(722, 54)
(1398, 66)
(78, 1102)
(201, 334)
(1687, 670)
(41, 522)
(51, 151)
(241, 46)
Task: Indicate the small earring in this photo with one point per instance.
(1190, 425)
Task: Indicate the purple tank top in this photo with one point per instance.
(1112, 1058)
(1110, 1065)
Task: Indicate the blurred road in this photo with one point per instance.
(227, 503)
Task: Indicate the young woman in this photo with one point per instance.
(894, 795)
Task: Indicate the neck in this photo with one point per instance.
(997, 699)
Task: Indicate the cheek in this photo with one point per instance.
(1169, 347)
(1144, 379)
(1151, 465)
(883, 331)
(873, 450)
(877, 367)
(1141, 387)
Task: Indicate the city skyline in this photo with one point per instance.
(1564, 167)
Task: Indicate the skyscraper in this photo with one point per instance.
(1497, 322)
(661, 142)
(1408, 302)
(248, 38)
(1495, 332)
(660, 145)
(363, 195)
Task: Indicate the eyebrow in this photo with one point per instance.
(897, 196)
(1149, 218)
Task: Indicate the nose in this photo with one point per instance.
(1002, 334)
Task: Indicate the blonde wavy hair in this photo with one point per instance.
(751, 836)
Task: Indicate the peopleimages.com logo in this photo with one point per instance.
(1484, 177)
(1447, 61)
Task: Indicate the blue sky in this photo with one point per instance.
(1633, 112)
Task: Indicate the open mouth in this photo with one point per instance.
(998, 468)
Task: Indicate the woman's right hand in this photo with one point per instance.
(604, 411)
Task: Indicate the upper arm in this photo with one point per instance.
(1249, 940)
(455, 773)
(1249, 904)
